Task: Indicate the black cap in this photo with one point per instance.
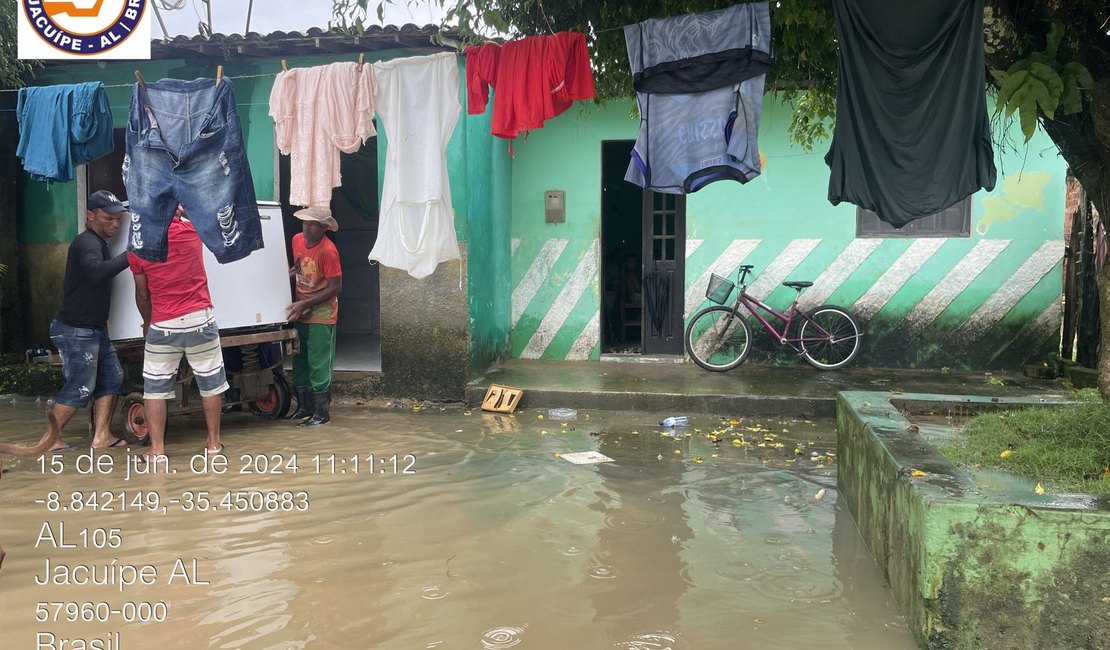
(104, 200)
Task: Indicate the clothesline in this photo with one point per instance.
(128, 85)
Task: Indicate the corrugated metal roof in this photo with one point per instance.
(312, 41)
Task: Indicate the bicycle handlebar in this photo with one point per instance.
(742, 273)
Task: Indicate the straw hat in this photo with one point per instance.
(323, 215)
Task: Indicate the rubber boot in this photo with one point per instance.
(304, 404)
(322, 400)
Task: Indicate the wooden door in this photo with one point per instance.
(663, 272)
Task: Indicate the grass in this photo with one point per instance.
(19, 377)
(1066, 449)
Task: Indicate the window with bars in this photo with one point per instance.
(954, 221)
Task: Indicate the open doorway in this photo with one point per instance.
(355, 208)
(621, 249)
(643, 238)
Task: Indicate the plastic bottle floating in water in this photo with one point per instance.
(675, 421)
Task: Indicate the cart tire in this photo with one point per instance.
(135, 428)
(275, 405)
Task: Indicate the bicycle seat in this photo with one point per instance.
(797, 285)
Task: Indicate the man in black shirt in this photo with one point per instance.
(80, 328)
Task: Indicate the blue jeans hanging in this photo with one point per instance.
(185, 145)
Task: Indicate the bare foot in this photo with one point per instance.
(112, 442)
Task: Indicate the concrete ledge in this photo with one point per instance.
(971, 567)
(752, 405)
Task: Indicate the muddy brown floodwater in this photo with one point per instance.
(490, 539)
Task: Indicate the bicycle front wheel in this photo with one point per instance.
(718, 339)
(830, 338)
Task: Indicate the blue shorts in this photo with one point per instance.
(89, 364)
(184, 145)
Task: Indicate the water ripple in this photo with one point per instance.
(653, 641)
(601, 572)
(433, 593)
(633, 520)
(798, 584)
(502, 637)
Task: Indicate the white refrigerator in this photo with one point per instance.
(251, 292)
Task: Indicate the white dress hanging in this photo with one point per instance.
(418, 104)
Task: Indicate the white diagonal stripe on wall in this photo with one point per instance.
(1010, 292)
(514, 244)
(890, 282)
(692, 245)
(535, 275)
(725, 263)
(564, 302)
(779, 270)
(587, 340)
(1037, 330)
(845, 264)
(953, 284)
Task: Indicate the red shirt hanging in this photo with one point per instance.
(534, 79)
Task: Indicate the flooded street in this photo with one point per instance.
(490, 539)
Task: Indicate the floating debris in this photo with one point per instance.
(820, 494)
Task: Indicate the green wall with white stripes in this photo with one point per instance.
(991, 300)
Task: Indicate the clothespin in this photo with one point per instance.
(219, 74)
(139, 78)
(360, 60)
(284, 65)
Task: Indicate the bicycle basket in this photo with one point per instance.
(719, 289)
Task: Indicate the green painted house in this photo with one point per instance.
(564, 260)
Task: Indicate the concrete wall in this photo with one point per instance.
(990, 300)
(971, 566)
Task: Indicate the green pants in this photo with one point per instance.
(313, 366)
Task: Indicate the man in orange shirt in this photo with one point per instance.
(319, 279)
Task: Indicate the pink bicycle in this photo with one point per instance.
(719, 338)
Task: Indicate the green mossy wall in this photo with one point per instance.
(971, 569)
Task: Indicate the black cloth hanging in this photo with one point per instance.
(912, 135)
(657, 297)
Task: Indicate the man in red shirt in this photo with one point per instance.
(319, 279)
(173, 299)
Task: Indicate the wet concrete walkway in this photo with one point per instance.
(748, 390)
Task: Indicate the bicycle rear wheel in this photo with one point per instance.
(830, 338)
(718, 339)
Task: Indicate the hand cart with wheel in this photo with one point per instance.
(253, 363)
(249, 297)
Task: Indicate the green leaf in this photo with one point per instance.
(1055, 33)
(1076, 78)
(1048, 89)
(495, 20)
(1018, 66)
(1072, 100)
(1010, 85)
(1080, 73)
(999, 76)
(1022, 94)
(1028, 115)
